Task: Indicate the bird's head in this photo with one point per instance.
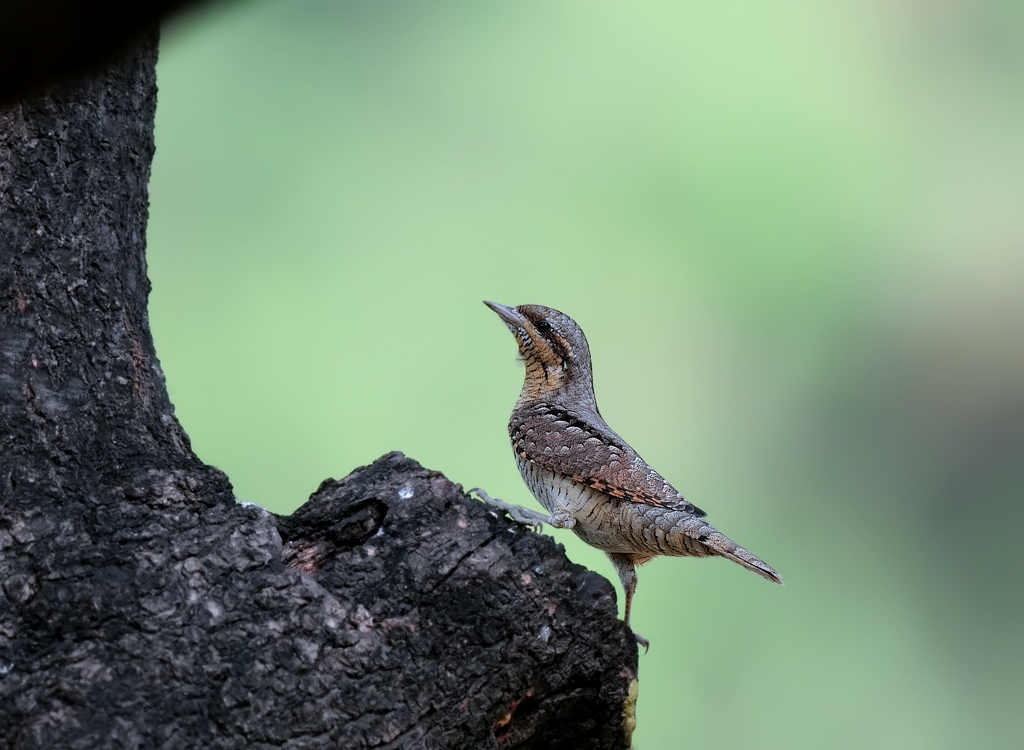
(554, 350)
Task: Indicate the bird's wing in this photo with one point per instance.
(584, 448)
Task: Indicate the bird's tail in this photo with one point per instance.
(719, 544)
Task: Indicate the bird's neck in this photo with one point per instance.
(573, 389)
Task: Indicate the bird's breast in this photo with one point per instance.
(598, 517)
(611, 524)
(553, 491)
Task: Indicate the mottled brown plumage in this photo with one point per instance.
(583, 473)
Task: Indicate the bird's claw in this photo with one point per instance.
(524, 516)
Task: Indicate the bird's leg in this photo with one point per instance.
(560, 519)
(626, 569)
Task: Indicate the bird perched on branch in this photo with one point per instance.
(585, 475)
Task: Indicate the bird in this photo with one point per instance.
(586, 477)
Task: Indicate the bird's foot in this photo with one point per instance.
(561, 519)
(524, 516)
(643, 642)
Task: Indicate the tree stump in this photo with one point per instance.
(142, 606)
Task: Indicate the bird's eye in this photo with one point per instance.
(543, 327)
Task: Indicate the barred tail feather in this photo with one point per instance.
(722, 545)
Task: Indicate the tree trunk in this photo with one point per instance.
(141, 606)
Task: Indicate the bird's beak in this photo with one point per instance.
(510, 315)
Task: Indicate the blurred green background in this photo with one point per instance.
(794, 235)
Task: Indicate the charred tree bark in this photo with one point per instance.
(141, 606)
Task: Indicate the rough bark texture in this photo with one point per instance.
(141, 606)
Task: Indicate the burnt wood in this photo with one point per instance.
(142, 606)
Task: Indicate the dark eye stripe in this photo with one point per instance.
(557, 344)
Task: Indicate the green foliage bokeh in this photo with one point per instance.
(793, 233)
